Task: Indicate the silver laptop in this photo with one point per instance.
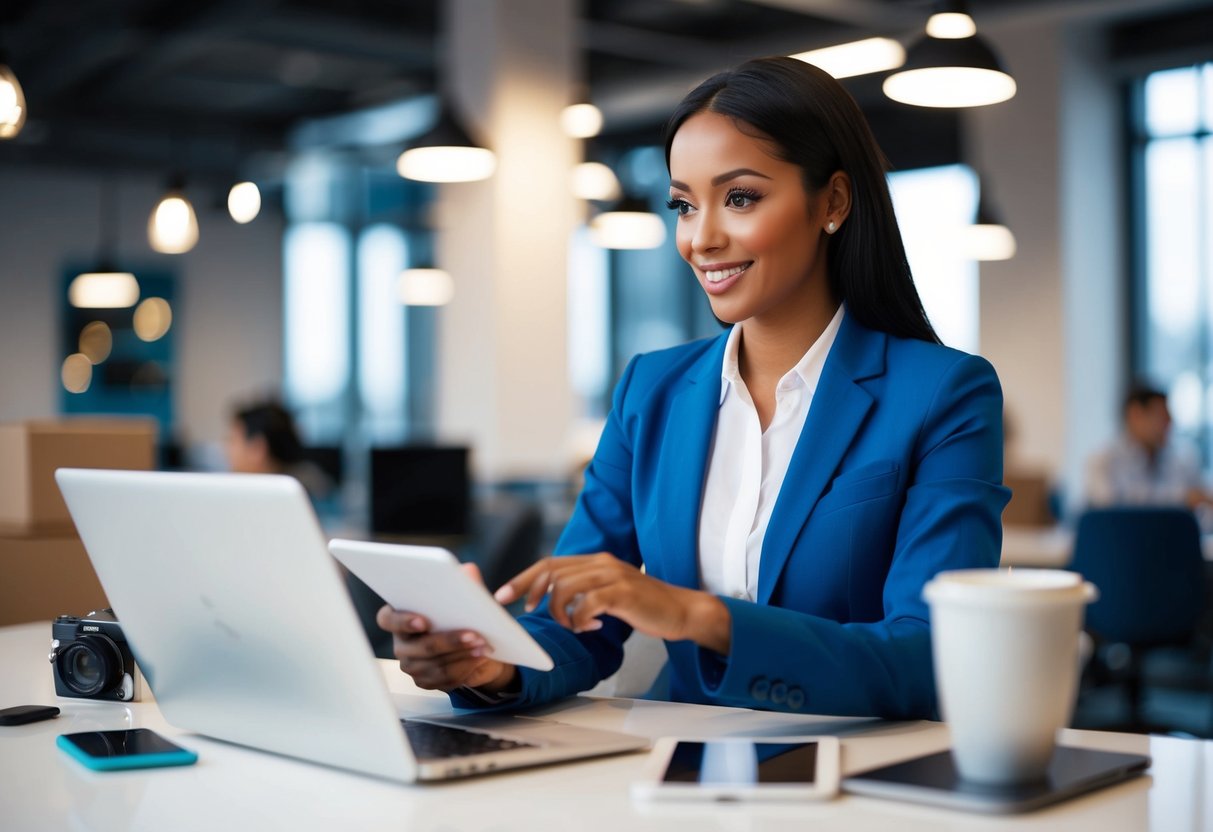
(241, 624)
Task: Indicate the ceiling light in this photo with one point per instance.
(105, 287)
(172, 227)
(856, 58)
(595, 181)
(76, 373)
(950, 71)
(425, 287)
(96, 341)
(446, 153)
(951, 25)
(581, 121)
(989, 242)
(629, 225)
(12, 102)
(153, 318)
(244, 202)
(988, 238)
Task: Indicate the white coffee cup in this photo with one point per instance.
(1005, 644)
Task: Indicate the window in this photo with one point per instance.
(933, 205)
(1172, 157)
(382, 256)
(316, 262)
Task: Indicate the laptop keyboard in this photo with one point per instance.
(438, 742)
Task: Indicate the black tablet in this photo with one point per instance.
(933, 780)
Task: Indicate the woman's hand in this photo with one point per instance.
(582, 587)
(443, 660)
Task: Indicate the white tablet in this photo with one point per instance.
(428, 580)
(741, 768)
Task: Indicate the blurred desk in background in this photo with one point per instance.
(1052, 547)
(1049, 547)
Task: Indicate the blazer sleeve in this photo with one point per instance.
(951, 519)
(602, 521)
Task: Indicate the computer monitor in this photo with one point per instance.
(420, 490)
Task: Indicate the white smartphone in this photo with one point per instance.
(428, 580)
(766, 768)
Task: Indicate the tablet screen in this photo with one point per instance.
(742, 763)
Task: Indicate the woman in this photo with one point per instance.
(788, 486)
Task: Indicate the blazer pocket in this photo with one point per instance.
(867, 482)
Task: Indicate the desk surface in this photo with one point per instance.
(1053, 546)
(236, 788)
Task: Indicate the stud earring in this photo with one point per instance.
(832, 227)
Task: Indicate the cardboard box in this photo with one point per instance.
(1029, 505)
(42, 576)
(31, 451)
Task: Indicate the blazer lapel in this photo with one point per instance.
(840, 406)
(683, 467)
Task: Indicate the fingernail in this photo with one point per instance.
(478, 652)
(596, 624)
(470, 638)
(504, 595)
(416, 623)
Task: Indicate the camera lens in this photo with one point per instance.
(90, 665)
(85, 669)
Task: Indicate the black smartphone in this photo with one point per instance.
(132, 748)
(22, 714)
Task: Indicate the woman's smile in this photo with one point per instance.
(719, 277)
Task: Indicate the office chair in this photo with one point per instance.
(1148, 566)
(507, 533)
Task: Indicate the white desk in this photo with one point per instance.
(1048, 547)
(232, 788)
(1052, 547)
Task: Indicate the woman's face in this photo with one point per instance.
(754, 237)
(246, 455)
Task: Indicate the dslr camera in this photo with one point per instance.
(91, 659)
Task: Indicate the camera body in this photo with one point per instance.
(90, 658)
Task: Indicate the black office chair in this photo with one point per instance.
(507, 531)
(1148, 566)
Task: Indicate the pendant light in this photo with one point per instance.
(860, 57)
(988, 238)
(446, 153)
(244, 202)
(12, 101)
(105, 287)
(425, 286)
(172, 227)
(629, 225)
(581, 119)
(595, 181)
(951, 66)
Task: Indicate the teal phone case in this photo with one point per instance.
(180, 757)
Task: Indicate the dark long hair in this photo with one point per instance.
(272, 421)
(814, 123)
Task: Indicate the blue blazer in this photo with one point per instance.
(896, 476)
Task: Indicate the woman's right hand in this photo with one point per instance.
(443, 660)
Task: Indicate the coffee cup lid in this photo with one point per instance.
(1002, 587)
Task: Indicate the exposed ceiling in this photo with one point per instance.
(152, 84)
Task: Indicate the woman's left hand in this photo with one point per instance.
(582, 587)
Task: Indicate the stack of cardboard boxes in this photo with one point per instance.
(44, 570)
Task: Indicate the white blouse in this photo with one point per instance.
(747, 466)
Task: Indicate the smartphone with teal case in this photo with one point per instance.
(132, 748)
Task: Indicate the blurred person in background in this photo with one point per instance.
(262, 439)
(1142, 466)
